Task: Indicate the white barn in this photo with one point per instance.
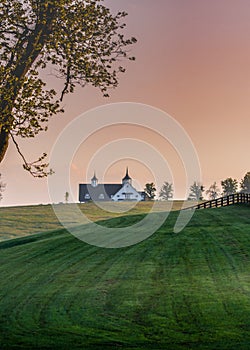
(110, 192)
(127, 192)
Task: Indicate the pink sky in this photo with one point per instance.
(193, 62)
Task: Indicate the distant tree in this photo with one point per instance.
(213, 191)
(150, 190)
(196, 191)
(245, 183)
(80, 42)
(2, 188)
(229, 186)
(66, 197)
(166, 191)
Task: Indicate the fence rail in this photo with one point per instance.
(224, 201)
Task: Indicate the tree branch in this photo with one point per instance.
(36, 168)
(66, 85)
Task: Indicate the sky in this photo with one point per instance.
(192, 63)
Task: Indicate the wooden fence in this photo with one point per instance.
(224, 201)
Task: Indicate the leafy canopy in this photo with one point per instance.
(150, 190)
(166, 191)
(229, 186)
(213, 191)
(245, 183)
(80, 42)
(196, 191)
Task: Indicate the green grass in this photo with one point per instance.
(172, 291)
(22, 221)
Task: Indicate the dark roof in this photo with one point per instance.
(102, 192)
(126, 177)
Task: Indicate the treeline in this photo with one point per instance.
(197, 190)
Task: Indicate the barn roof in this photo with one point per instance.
(100, 192)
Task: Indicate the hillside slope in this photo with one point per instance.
(173, 291)
(21, 221)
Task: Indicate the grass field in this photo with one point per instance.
(172, 291)
(40, 218)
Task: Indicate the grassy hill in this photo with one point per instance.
(172, 291)
(40, 218)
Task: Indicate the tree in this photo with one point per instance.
(196, 191)
(79, 41)
(150, 190)
(245, 183)
(166, 191)
(213, 191)
(2, 187)
(66, 197)
(229, 186)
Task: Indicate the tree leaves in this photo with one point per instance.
(166, 191)
(150, 190)
(196, 191)
(245, 183)
(80, 40)
(229, 186)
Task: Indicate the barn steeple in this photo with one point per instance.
(127, 178)
(94, 181)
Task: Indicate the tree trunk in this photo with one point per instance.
(4, 141)
(35, 43)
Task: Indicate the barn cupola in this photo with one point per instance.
(127, 178)
(94, 181)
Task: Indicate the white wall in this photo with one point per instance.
(127, 192)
